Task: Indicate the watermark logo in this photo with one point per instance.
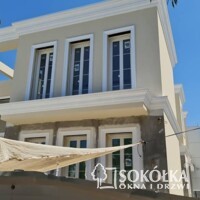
(96, 174)
(100, 175)
(134, 179)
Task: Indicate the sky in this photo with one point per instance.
(185, 22)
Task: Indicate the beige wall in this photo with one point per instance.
(5, 88)
(173, 155)
(166, 69)
(180, 118)
(147, 50)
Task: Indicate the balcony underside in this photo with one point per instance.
(72, 108)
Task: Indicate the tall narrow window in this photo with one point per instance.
(120, 62)
(43, 73)
(76, 170)
(80, 68)
(121, 159)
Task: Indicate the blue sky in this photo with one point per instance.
(184, 20)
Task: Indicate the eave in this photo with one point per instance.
(180, 92)
(85, 14)
(7, 71)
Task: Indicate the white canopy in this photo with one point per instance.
(42, 158)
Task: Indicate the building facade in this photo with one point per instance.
(97, 76)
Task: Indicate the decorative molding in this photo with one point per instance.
(166, 25)
(4, 97)
(90, 134)
(91, 13)
(94, 101)
(76, 102)
(48, 134)
(66, 61)
(180, 91)
(31, 66)
(8, 34)
(163, 103)
(7, 71)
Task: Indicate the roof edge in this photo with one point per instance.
(90, 13)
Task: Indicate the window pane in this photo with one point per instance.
(86, 70)
(116, 155)
(116, 80)
(73, 143)
(86, 67)
(82, 170)
(76, 85)
(50, 65)
(72, 168)
(127, 79)
(77, 54)
(50, 59)
(127, 61)
(76, 71)
(115, 56)
(128, 159)
(40, 83)
(85, 82)
(48, 85)
(72, 171)
(76, 68)
(43, 60)
(83, 144)
(116, 63)
(126, 64)
(48, 89)
(126, 46)
(86, 53)
(116, 48)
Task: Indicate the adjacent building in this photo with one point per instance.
(98, 76)
(193, 144)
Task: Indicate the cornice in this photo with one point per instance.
(93, 101)
(180, 91)
(166, 25)
(90, 13)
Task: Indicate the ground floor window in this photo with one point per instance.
(121, 159)
(37, 136)
(77, 137)
(36, 140)
(76, 170)
(128, 159)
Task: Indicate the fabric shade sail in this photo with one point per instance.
(18, 155)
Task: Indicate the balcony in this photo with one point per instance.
(71, 108)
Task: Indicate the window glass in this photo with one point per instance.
(127, 64)
(81, 60)
(76, 74)
(72, 168)
(120, 62)
(75, 170)
(122, 159)
(43, 73)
